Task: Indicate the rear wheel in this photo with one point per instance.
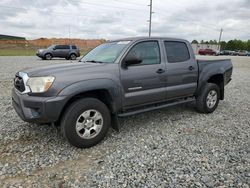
(208, 99)
(85, 122)
(72, 56)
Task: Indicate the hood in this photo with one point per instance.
(41, 49)
(70, 73)
(67, 69)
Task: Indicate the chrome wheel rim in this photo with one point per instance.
(211, 99)
(89, 124)
(73, 57)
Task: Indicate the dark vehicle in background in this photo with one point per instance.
(62, 51)
(117, 79)
(206, 52)
(226, 52)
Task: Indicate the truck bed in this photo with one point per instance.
(221, 66)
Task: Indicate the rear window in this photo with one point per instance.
(176, 51)
(74, 47)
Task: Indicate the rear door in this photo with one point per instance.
(64, 53)
(181, 69)
(145, 82)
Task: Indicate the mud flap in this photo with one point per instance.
(115, 122)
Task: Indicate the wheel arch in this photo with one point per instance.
(218, 79)
(103, 89)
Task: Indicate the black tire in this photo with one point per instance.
(72, 56)
(48, 56)
(72, 115)
(203, 102)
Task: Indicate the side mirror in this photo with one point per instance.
(131, 59)
(54, 48)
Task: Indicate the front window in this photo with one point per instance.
(106, 53)
(148, 52)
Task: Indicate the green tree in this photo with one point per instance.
(223, 45)
(194, 42)
(231, 45)
(248, 45)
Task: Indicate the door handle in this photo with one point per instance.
(191, 68)
(160, 71)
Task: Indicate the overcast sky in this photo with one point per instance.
(110, 19)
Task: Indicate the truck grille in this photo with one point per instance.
(19, 84)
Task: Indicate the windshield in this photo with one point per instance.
(52, 46)
(105, 53)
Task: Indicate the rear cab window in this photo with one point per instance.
(74, 47)
(176, 51)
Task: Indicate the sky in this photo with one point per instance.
(112, 19)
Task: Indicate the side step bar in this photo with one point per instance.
(155, 107)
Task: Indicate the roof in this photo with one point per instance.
(146, 37)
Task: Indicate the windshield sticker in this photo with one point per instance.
(123, 42)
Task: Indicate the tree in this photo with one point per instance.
(230, 45)
(223, 45)
(248, 45)
(194, 42)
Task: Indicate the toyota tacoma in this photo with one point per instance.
(117, 79)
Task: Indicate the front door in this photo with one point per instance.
(145, 82)
(57, 50)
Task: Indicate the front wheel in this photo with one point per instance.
(48, 56)
(208, 99)
(85, 122)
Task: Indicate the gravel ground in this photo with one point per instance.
(175, 147)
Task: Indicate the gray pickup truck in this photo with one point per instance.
(117, 79)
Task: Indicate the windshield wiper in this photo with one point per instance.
(94, 61)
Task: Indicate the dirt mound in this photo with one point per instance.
(81, 43)
(45, 42)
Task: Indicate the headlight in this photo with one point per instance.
(40, 84)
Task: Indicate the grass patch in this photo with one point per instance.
(17, 52)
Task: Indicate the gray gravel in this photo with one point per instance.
(175, 147)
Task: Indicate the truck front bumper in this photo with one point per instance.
(37, 109)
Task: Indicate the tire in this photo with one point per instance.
(48, 56)
(208, 99)
(79, 120)
(72, 56)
